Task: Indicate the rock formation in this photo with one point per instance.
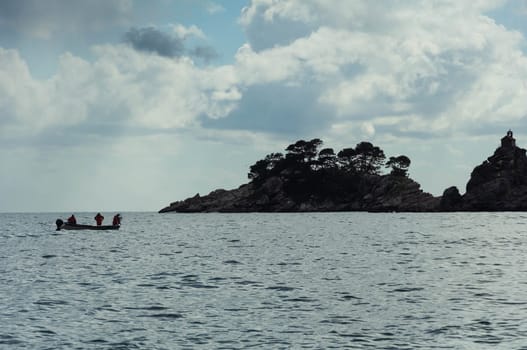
(498, 184)
(372, 193)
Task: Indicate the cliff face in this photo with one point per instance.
(370, 193)
(498, 184)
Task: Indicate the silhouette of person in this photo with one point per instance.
(99, 218)
(116, 220)
(72, 220)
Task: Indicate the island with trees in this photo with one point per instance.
(311, 178)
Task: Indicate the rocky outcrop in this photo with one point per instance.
(396, 193)
(497, 184)
(372, 193)
(500, 182)
(451, 199)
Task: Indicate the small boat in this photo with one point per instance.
(61, 225)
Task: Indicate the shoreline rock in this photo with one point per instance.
(385, 193)
(498, 184)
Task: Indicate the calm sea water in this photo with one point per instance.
(270, 281)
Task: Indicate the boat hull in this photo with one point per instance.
(66, 226)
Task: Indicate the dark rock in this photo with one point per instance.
(451, 199)
(374, 193)
(500, 182)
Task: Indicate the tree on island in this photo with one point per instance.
(399, 165)
(264, 167)
(304, 151)
(306, 171)
(368, 159)
(327, 159)
(345, 159)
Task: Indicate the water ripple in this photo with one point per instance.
(233, 281)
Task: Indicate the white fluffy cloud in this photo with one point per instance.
(444, 65)
(441, 65)
(121, 87)
(184, 32)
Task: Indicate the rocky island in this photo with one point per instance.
(497, 184)
(308, 179)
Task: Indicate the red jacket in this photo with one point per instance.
(99, 218)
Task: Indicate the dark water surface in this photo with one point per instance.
(270, 281)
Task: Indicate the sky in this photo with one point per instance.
(128, 105)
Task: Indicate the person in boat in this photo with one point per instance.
(98, 219)
(72, 220)
(116, 220)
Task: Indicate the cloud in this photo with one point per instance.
(395, 73)
(154, 40)
(214, 8)
(183, 32)
(385, 74)
(206, 53)
(121, 91)
(388, 75)
(44, 19)
(262, 18)
(275, 109)
(150, 39)
(406, 68)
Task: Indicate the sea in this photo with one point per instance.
(265, 281)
